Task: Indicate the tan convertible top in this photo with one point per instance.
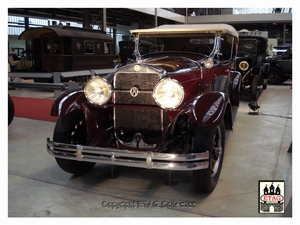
(186, 29)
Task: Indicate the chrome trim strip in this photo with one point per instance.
(140, 159)
(128, 91)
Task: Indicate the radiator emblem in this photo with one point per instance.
(134, 91)
(137, 68)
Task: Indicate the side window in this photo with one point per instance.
(89, 47)
(57, 46)
(107, 48)
(67, 46)
(46, 45)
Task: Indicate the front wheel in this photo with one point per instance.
(265, 86)
(71, 129)
(11, 110)
(213, 140)
(254, 89)
(275, 76)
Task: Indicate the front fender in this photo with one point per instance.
(207, 109)
(236, 88)
(98, 119)
(68, 102)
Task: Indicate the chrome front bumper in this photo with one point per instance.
(140, 159)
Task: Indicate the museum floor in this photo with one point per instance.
(256, 151)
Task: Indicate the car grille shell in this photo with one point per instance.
(128, 121)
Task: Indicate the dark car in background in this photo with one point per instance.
(127, 48)
(168, 110)
(280, 64)
(252, 51)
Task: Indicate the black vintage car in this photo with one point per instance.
(127, 48)
(252, 51)
(280, 64)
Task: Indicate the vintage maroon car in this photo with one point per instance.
(168, 110)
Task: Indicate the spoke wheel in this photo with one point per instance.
(217, 152)
(213, 140)
(71, 129)
(254, 89)
(274, 76)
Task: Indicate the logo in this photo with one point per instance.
(134, 91)
(137, 68)
(78, 45)
(271, 196)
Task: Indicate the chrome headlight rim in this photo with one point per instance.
(104, 86)
(162, 103)
(244, 65)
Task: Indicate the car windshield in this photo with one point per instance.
(252, 45)
(204, 45)
(186, 44)
(248, 46)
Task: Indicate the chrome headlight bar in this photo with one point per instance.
(168, 93)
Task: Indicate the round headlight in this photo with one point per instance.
(168, 93)
(97, 91)
(244, 65)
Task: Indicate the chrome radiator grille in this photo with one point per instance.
(143, 82)
(138, 120)
(148, 123)
(136, 88)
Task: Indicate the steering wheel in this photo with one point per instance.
(197, 47)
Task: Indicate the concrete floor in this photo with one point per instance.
(256, 150)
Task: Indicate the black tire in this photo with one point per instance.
(253, 88)
(263, 82)
(11, 110)
(213, 140)
(265, 85)
(71, 129)
(275, 76)
(284, 79)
